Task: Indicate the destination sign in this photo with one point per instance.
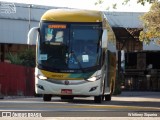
(57, 26)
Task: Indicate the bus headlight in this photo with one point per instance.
(41, 77)
(92, 79)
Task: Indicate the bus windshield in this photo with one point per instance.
(69, 46)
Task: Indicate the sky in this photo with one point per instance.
(132, 6)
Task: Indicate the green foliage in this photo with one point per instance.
(99, 2)
(142, 2)
(114, 6)
(25, 58)
(28, 58)
(125, 2)
(151, 24)
(14, 58)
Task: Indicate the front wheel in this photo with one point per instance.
(47, 97)
(98, 99)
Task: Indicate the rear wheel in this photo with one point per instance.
(47, 97)
(112, 87)
(108, 97)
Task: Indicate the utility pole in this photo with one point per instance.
(29, 25)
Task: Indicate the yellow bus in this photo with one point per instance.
(75, 55)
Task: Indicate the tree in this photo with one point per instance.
(28, 58)
(151, 20)
(25, 58)
(151, 24)
(142, 2)
(14, 58)
(114, 6)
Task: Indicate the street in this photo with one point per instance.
(128, 104)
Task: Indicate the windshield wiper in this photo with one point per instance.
(79, 64)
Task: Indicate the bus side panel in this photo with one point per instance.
(107, 73)
(111, 70)
(110, 58)
(111, 66)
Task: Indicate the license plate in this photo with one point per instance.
(66, 91)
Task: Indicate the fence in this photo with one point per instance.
(16, 79)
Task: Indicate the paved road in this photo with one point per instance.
(128, 104)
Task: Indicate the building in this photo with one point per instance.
(15, 24)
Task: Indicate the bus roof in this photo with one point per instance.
(72, 15)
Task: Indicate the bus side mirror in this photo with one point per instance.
(31, 35)
(104, 38)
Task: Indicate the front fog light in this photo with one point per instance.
(40, 86)
(93, 88)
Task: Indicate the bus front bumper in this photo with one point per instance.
(68, 87)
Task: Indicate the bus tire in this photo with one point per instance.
(108, 97)
(47, 97)
(98, 99)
